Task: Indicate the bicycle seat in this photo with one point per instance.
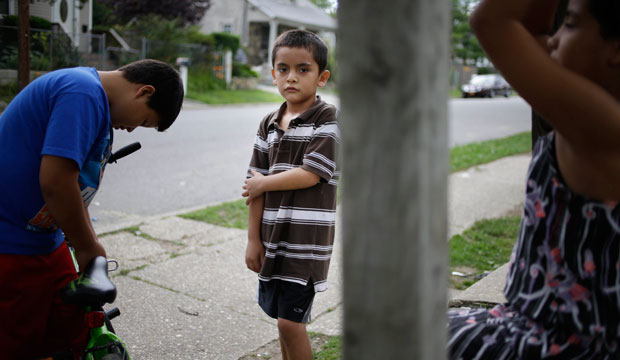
(93, 287)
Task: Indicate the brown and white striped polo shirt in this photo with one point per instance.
(298, 226)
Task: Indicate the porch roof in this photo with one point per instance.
(301, 13)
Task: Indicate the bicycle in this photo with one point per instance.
(93, 289)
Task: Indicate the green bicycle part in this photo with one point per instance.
(100, 339)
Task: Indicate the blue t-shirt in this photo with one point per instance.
(63, 113)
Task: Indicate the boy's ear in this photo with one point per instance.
(323, 78)
(147, 90)
(273, 75)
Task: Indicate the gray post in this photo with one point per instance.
(228, 64)
(273, 34)
(23, 40)
(393, 63)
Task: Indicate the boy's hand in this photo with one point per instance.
(255, 255)
(253, 186)
(85, 255)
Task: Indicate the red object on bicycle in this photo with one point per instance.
(94, 319)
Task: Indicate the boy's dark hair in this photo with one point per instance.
(168, 96)
(302, 39)
(607, 13)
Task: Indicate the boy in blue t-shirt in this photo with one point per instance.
(55, 139)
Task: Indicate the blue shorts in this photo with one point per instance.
(286, 300)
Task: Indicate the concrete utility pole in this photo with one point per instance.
(393, 69)
(23, 40)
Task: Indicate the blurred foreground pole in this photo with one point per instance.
(23, 40)
(393, 68)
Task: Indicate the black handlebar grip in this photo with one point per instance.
(124, 151)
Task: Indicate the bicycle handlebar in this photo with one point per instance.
(124, 151)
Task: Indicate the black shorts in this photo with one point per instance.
(286, 300)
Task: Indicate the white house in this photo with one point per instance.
(258, 22)
(74, 17)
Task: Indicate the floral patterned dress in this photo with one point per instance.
(563, 287)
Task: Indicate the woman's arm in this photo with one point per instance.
(585, 114)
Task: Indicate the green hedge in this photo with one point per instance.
(243, 70)
(35, 22)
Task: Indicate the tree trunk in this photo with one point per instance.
(23, 52)
(393, 67)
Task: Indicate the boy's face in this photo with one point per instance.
(132, 111)
(296, 74)
(579, 46)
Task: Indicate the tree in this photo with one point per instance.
(328, 5)
(394, 100)
(323, 4)
(465, 46)
(23, 68)
(188, 11)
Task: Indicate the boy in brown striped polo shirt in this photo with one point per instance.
(291, 191)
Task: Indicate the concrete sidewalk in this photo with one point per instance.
(185, 293)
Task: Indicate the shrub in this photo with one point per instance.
(243, 70)
(227, 41)
(201, 79)
(196, 37)
(484, 71)
(35, 22)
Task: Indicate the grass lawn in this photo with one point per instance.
(485, 246)
(220, 97)
(455, 93)
(466, 156)
(332, 350)
(233, 214)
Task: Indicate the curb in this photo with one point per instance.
(487, 292)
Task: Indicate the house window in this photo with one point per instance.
(64, 10)
(4, 7)
(227, 28)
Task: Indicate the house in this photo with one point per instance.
(74, 17)
(258, 22)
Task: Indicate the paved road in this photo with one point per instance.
(483, 119)
(202, 159)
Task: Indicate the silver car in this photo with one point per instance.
(486, 86)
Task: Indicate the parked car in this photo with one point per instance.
(486, 86)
